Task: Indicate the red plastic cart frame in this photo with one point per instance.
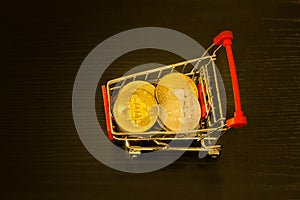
(239, 120)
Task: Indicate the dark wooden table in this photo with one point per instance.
(43, 45)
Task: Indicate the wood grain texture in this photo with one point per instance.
(43, 45)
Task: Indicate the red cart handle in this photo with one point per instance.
(239, 120)
(107, 115)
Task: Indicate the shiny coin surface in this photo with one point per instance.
(134, 85)
(135, 109)
(179, 110)
(175, 81)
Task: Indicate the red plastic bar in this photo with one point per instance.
(201, 99)
(107, 116)
(239, 120)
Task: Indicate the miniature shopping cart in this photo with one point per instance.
(213, 123)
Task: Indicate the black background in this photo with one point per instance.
(42, 47)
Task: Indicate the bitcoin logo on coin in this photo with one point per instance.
(135, 109)
(177, 95)
(175, 81)
(180, 110)
(139, 113)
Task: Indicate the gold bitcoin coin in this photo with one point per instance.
(175, 81)
(135, 109)
(179, 110)
(134, 85)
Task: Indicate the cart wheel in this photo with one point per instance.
(214, 153)
(131, 153)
